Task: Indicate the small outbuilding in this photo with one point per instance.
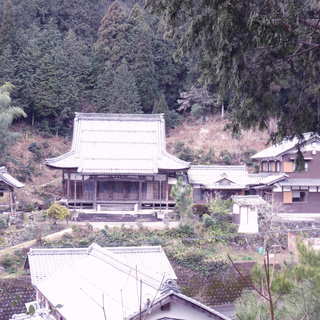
(8, 184)
(245, 212)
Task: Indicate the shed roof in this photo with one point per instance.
(8, 179)
(107, 279)
(285, 146)
(219, 177)
(118, 143)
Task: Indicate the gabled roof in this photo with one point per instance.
(103, 284)
(173, 295)
(213, 177)
(8, 179)
(118, 143)
(43, 263)
(285, 146)
(266, 178)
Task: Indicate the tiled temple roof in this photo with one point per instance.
(118, 143)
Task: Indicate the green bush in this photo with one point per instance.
(208, 221)
(184, 152)
(58, 212)
(36, 150)
(3, 223)
(200, 209)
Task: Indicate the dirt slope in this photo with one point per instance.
(211, 134)
(42, 184)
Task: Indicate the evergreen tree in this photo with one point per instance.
(7, 26)
(263, 57)
(122, 96)
(142, 61)
(161, 106)
(113, 43)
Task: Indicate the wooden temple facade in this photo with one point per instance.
(118, 161)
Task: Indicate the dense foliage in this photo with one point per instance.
(290, 294)
(261, 57)
(86, 56)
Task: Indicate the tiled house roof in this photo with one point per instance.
(8, 179)
(285, 146)
(13, 296)
(107, 279)
(221, 177)
(118, 143)
(45, 262)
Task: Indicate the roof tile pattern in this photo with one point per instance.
(118, 143)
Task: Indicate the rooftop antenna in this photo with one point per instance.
(140, 315)
(103, 308)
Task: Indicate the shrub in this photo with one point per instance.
(58, 212)
(200, 209)
(184, 152)
(3, 223)
(36, 150)
(220, 206)
(208, 221)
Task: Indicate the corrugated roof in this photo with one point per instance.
(118, 143)
(103, 279)
(8, 179)
(286, 145)
(219, 177)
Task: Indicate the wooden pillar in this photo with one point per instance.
(82, 183)
(140, 195)
(68, 187)
(95, 187)
(75, 191)
(11, 202)
(167, 194)
(160, 195)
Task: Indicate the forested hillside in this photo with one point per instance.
(87, 56)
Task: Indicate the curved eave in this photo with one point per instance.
(65, 161)
(169, 162)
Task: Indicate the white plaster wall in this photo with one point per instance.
(180, 310)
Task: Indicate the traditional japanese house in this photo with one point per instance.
(8, 184)
(118, 161)
(114, 283)
(211, 182)
(298, 189)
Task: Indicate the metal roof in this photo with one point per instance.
(107, 279)
(8, 179)
(249, 200)
(118, 143)
(219, 177)
(300, 182)
(286, 145)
